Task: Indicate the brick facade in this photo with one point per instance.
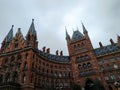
(23, 63)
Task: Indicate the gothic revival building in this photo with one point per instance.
(24, 67)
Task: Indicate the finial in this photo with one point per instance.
(77, 28)
(12, 26)
(65, 28)
(32, 20)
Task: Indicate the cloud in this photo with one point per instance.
(101, 18)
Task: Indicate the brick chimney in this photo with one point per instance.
(48, 50)
(118, 40)
(44, 48)
(112, 42)
(61, 53)
(56, 52)
(100, 44)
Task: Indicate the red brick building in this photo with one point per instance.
(23, 66)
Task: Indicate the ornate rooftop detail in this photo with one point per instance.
(77, 35)
(9, 36)
(32, 28)
(55, 58)
(106, 49)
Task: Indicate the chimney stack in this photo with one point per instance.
(118, 40)
(44, 48)
(48, 50)
(57, 52)
(61, 53)
(100, 44)
(112, 42)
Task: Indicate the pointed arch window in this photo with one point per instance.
(106, 77)
(118, 75)
(15, 76)
(25, 66)
(112, 76)
(7, 78)
(24, 78)
(12, 59)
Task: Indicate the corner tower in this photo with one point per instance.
(83, 60)
(31, 37)
(7, 40)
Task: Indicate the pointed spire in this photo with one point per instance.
(9, 36)
(84, 29)
(32, 28)
(67, 35)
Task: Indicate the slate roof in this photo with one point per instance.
(77, 35)
(56, 58)
(32, 28)
(9, 36)
(106, 49)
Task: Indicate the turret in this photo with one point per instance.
(67, 35)
(31, 37)
(84, 30)
(7, 39)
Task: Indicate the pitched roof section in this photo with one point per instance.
(84, 29)
(77, 35)
(32, 28)
(106, 50)
(9, 36)
(67, 35)
(63, 59)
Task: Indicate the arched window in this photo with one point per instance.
(112, 76)
(102, 68)
(15, 76)
(115, 66)
(84, 65)
(60, 74)
(19, 57)
(25, 66)
(7, 77)
(24, 78)
(26, 55)
(6, 61)
(89, 64)
(12, 59)
(106, 77)
(79, 66)
(118, 75)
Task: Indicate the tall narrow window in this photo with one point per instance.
(24, 78)
(112, 76)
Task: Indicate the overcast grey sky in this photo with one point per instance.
(100, 17)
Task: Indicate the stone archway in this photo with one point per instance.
(110, 88)
(89, 85)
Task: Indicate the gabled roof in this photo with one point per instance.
(32, 28)
(106, 49)
(77, 35)
(9, 36)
